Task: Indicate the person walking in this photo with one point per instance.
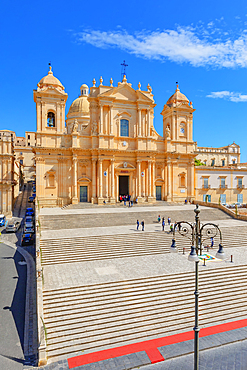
(159, 218)
(171, 228)
(169, 221)
(212, 242)
(142, 223)
(124, 199)
(163, 223)
(137, 224)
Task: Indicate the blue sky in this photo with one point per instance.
(202, 45)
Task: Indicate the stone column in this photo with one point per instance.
(139, 178)
(190, 179)
(100, 179)
(38, 109)
(93, 180)
(60, 180)
(163, 184)
(143, 186)
(112, 182)
(43, 115)
(139, 122)
(9, 170)
(148, 123)
(10, 201)
(111, 120)
(63, 114)
(173, 128)
(117, 188)
(149, 179)
(153, 184)
(169, 181)
(101, 120)
(75, 196)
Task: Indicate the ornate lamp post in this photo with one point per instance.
(197, 235)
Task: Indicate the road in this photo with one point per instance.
(13, 278)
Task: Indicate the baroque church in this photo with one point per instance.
(109, 146)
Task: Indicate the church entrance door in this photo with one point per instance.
(158, 193)
(83, 193)
(123, 185)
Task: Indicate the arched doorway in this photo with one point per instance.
(123, 185)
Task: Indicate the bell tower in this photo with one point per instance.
(50, 99)
(179, 146)
(178, 118)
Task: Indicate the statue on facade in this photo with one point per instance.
(75, 126)
(94, 128)
(168, 133)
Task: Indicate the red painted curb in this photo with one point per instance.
(150, 346)
(154, 355)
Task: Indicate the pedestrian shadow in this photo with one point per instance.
(19, 360)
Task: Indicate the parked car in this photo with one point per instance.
(31, 199)
(29, 228)
(29, 219)
(27, 239)
(13, 226)
(34, 190)
(29, 212)
(34, 195)
(2, 220)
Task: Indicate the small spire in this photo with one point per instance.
(101, 81)
(111, 82)
(94, 82)
(124, 79)
(177, 86)
(149, 88)
(139, 86)
(50, 71)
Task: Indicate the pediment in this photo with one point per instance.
(121, 92)
(84, 179)
(183, 105)
(51, 90)
(125, 166)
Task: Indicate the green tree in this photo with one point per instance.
(199, 163)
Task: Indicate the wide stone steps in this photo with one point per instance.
(72, 221)
(91, 248)
(90, 318)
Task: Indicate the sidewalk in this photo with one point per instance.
(223, 349)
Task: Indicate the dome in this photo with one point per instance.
(50, 80)
(178, 97)
(79, 106)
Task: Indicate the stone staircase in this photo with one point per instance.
(73, 221)
(85, 319)
(92, 248)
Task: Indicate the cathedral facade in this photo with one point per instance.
(109, 146)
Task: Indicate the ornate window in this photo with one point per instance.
(182, 183)
(50, 119)
(50, 179)
(182, 129)
(124, 127)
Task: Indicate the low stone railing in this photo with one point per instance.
(230, 212)
(40, 314)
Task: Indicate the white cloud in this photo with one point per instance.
(228, 95)
(197, 46)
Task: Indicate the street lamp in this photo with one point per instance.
(197, 235)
